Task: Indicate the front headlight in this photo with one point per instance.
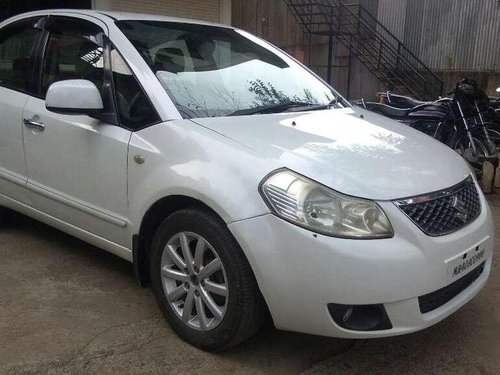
(322, 210)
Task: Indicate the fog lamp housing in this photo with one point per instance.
(360, 317)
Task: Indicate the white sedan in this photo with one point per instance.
(239, 184)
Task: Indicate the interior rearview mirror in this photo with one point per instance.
(74, 96)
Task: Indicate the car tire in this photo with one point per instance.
(188, 308)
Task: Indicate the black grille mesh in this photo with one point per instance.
(436, 299)
(440, 216)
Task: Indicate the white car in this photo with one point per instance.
(237, 182)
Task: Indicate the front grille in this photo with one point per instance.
(445, 211)
(436, 299)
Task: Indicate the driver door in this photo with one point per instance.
(77, 165)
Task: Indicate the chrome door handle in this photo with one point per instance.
(40, 126)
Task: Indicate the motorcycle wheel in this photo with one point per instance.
(462, 145)
(495, 138)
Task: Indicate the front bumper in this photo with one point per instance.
(300, 273)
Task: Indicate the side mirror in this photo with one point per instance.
(74, 96)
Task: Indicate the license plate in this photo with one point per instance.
(463, 263)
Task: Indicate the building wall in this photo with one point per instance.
(9, 8)
(453, 37)
(218, 11)
(447, 34)
(271, 20)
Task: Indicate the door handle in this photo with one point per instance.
(40, 126)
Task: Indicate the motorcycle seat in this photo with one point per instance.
(387, 110)
(407, 102)
(428, 111)
(424, 111)
(400, 101)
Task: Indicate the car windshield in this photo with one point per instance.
(211, 71)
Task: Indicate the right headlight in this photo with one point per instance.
(320, 209)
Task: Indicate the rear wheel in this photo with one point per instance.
(203, 283)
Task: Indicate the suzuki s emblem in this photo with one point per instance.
(461, 210)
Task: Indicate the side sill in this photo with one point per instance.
(111, 247)
(81, 207)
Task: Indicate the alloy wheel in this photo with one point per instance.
(194, 281)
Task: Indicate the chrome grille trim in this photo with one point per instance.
(445, 211)
(434, 195)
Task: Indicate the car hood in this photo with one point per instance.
(350, 150)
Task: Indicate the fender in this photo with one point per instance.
(183, 168)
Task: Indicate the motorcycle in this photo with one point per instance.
(495, 107)
(473, 136)
(429, 118)
(405, 102)
(490, 115)
(495, 100)
(462, 121)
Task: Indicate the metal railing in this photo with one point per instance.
(370, 42)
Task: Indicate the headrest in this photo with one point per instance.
(200, 48)
(170, 60)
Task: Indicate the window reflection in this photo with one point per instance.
(72, 57)
(213, 71)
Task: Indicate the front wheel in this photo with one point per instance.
(462, 144)
(203, 283)
(494, 136)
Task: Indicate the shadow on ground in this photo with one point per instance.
(69, 307)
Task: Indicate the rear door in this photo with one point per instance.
(17, 44)
(77, 165)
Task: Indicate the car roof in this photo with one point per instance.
(107, 16)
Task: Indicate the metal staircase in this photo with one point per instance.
(370, 42)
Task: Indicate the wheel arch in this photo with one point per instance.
(150, 222)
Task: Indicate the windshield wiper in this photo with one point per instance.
(272, 108)
(284, 107)
(315, 107)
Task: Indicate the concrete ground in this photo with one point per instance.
(67, 307)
